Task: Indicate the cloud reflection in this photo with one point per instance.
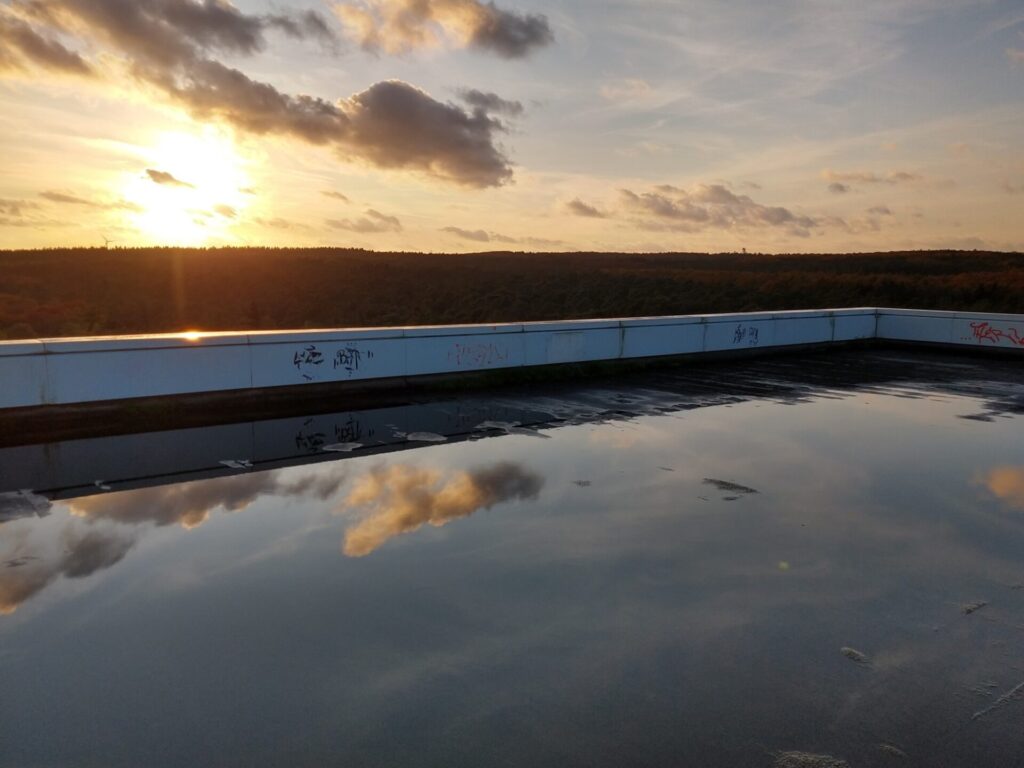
(80, 554)
(401, 499)
(90, 543)
(1007, 483)
(190, 504)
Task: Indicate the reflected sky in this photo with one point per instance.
(671, 586)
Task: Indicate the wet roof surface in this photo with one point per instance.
(717, 565)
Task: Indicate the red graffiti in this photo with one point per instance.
(985, 332)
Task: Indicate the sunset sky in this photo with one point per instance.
(456, 125)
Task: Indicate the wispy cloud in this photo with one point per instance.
(483, 236)
(579, 208)
(67, 198)
(374, 222)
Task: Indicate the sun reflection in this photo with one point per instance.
(191, 192)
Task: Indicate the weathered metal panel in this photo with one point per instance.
(936, 327)
(22, 374)
(83, 375)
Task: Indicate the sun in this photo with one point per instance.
(195, 193)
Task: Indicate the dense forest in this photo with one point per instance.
(70, 292)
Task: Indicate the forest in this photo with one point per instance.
(96, 291)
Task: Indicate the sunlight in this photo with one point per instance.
(192, 192)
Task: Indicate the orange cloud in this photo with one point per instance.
(397, 26)
(1007, 483)
(401, 499)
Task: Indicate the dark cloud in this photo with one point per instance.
(578, 208)
(709, 206)
(1013, 189)
(170, 45)
(880, 210)
(167, 179)
(397, 26)
(491, 102)
(225, 210)
(838, 188)
(400, 499)
(335, 195)
(21, 45)
(248, 190)
(374, 222)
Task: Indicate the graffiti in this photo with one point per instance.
(350, 431)
(477, 355)
(748, 334)
(346, 359)
(349, 358)
(985, 332)
(305, 359)
(346, 432)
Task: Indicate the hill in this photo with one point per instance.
(69, 292)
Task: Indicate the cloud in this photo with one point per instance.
(708, 206)
(399, 26)
(170, 46)
(21, 45)
(190, 504)
(870, 177)
(374, 222)
(166, 179)
(66, 198)
(880, 210)
(838, 188)
(626, 89)
(1006, 483)
(9, 207)
(478, 235)
(578, 208)
(400, 499)
(279, 223)
(1008, 188)
(98, 535)
(483, 236)
(81, 553)
(491, 102)
(335, 195)
(1015, 55)
(225, 210)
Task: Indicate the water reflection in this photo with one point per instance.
(76, 552)
(1007, 483)
(401, 498)
(671, 578)
(385, 500)
(190, 504)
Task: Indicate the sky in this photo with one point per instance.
(460, 125)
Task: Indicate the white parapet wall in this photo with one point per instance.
(70, 371)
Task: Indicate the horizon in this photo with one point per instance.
(462, 126)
